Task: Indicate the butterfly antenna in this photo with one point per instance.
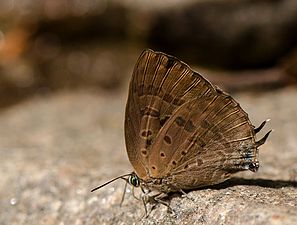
(112, 180)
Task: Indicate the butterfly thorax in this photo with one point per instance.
(181, 131)
(159, 184)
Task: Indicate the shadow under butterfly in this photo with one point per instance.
(181, 131)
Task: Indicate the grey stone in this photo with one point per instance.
(54, 149)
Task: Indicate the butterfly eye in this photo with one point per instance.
(254, 166)
(134, 180)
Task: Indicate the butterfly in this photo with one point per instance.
(181, 131)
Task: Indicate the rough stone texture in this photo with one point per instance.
(55, 149)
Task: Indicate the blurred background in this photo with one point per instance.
(64, 72)
(48, 45)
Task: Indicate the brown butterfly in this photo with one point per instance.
(181, 131)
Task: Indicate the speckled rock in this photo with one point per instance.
(55, 149)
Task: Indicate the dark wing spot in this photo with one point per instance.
(146, 133)
(202, 143)
(205, 124)
(196, 141)
(215, 129)
(167, 139)
(183, 152)
(178, 101)
(150, 112)
(170, 62)
(153, 167)
(218, 136)
(196, 75)
(163, 120)
(149, 142)
(154, 90)
(173, 162)
(167, 98)
(190, 127)
(162, 154)
(180, 121)
(219, 90)
(141, 90)
(199, 162)
(208, 94)
(144, 152)
(149, 87)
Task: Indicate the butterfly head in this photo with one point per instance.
(134, 180)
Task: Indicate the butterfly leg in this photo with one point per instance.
(145, 199)
(133, 193)
(159, 199)
(184, 194)
(154, 199)
(124, 193)
(144, 204)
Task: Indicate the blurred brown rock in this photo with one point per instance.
(52, 45)
(228, 33)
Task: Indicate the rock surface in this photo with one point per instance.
(54, 149)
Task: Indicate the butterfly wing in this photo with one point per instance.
(160, 84)
(206, 139)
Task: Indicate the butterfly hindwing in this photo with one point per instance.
(208, 129)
